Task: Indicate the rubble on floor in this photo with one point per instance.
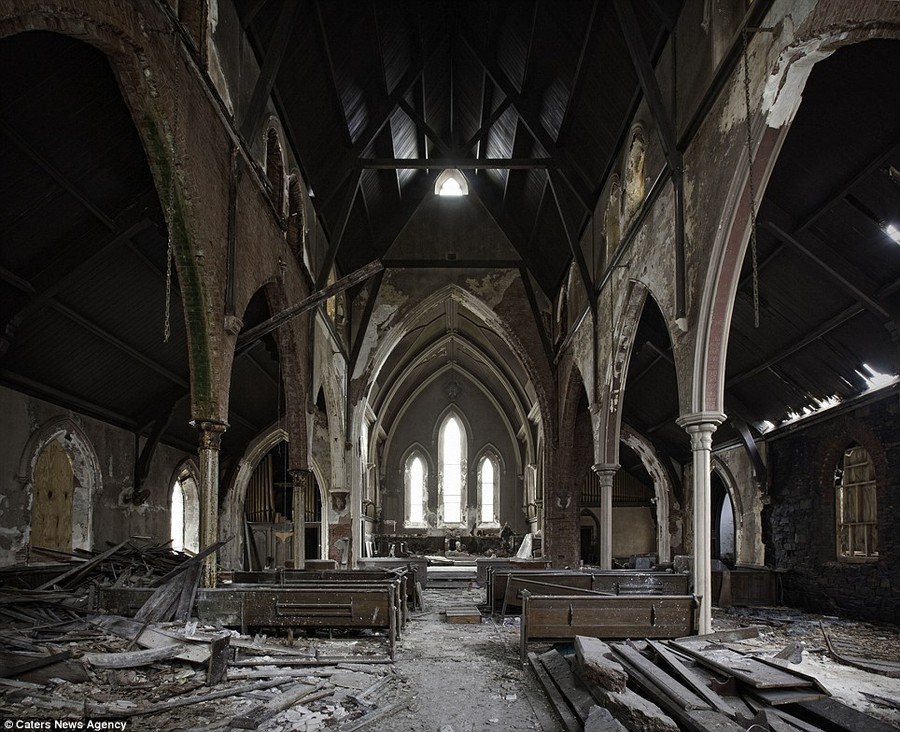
(733, 679)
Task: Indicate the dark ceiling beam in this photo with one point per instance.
(250, 14)
(374, 287)
(12, 279)
(265, 82)
(735, 411)
(56, 174)
(844, 187)
(22, 383)
(578, 77)
(77, 269)
(452, 263)
(536, 315)
(534, 126)
(332, 77)
(486, 126)
(838, 269)
(259, 367)
(251, 335)
(334, 241)
(117, 343)
(665, 128)
(460, 163)
(574, 244)
(821, 331)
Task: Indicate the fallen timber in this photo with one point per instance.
(504, 587)
(560, 618)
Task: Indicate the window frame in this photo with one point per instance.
(408, 522)
(463, 471)
(864, 469)
(489, 456)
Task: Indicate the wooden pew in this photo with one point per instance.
(289, 599)
(559, 618)
(505, 587)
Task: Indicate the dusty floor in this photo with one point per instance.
(466, 677)
(445, 678)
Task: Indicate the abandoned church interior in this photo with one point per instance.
(584, 313)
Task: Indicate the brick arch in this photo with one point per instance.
(142, 78)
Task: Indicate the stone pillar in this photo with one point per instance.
(210, 438)
(605, 473)
(700, 427)
(303, 484)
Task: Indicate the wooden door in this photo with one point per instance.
(51, 507)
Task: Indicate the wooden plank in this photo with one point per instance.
(577, 696)
(463, 615)
(81, 569)
(132, 659)
(296, 694)
(33, 664)
(692, 679)
(665, 684)
(846, 718)
(748, 670)
(568, 719)
(781, 697)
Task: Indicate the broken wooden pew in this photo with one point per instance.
(360, 606)
(559, 618)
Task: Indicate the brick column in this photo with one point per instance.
(302, 479)
(210, 439)
(605, 473)
(700, 427)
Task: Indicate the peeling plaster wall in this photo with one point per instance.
(110, 518)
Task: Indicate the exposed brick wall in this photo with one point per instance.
(799, 524)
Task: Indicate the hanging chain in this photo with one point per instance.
(752, 184)
(170, 204)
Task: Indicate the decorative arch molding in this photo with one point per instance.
(610, 417)
(667, 507)
(85, 468)
(231, 517)
(323, 526)
(732, 488)
(782, 96)
(109, 28)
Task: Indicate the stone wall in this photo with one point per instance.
(799, 524)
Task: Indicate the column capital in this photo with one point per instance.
(701, 421)
(211, 432)
(605, 470)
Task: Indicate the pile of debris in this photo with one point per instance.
(64, 658)
(696, 684)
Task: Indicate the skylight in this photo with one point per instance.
(893, 232)
(451, 183)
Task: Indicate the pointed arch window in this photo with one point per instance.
(489, 490)
(856, 506)
(452, 455)
(415, 480)
(185, 514)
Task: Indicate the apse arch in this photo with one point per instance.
(372, 366)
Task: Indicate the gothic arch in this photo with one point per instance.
(783, 88)
(85, 468)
